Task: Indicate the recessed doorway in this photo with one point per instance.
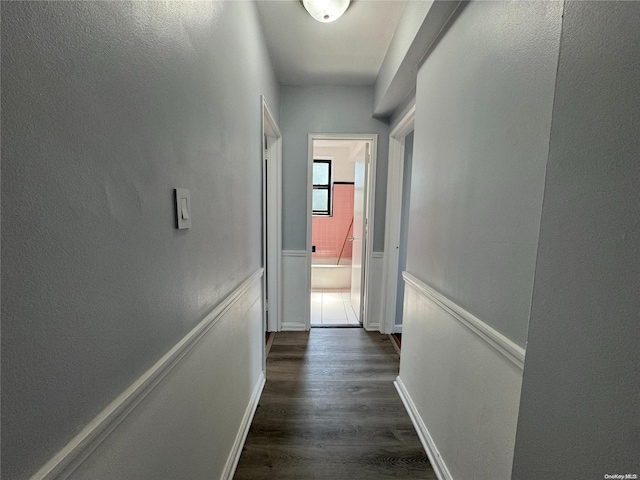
(339, 184)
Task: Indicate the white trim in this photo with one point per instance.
(272, 215)
(374, 290)
(397, 328)
(295, 295)
(393, 218)
(98, 429)
(307, 275)
(294, 253)
(293, 327)
(331, 169)
(267, 347)
(405, 126)
(368, 253)
(499, 342)
(234, 456)
(393, 342)
(270, 123)
(436, 460)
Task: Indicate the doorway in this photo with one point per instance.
(271, 222)
(396, 225)
(340, 194)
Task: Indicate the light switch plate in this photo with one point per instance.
(183, 208)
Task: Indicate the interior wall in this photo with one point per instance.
(484, 99)
(483, 114)
(106, 108)
(186, 426)
(579, 410)
(308, 110)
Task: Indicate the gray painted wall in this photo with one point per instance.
(186, 426)
(483, 113)
(580, 408)
(411, 20)
(106, 108)
(308, 110)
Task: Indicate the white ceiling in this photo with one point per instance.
(351, 147)
(348, 51)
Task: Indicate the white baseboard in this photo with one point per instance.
(236, 450)
(397, 328)
(267, 347)
(464, 380)
(293, 327)
(373, 318)
(439, 467)
(395, 345)
(296, 296)
(294, 253)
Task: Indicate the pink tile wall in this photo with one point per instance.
(328, 233)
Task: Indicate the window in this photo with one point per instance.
(322, 187)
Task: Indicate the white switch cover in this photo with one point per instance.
(183, 208)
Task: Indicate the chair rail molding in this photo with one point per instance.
(499, 342)
(72, 455)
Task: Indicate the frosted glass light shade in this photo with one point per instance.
(326, 10)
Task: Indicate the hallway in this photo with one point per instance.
(158, 208)
(329, 410)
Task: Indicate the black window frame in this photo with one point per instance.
(328, 187)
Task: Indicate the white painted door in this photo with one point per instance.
(359, 231)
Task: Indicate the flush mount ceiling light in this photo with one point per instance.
(326, 11)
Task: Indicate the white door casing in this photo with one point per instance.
(272, 217)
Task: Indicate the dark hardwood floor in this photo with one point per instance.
(329, 410)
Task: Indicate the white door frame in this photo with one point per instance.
(393, 220)
(370, 211)
(272, 216)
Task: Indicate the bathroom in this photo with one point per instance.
(334, 175)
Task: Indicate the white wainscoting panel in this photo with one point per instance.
(296, 293)
(439, 467)
(243, 431)
(374, 301)
(188, 415)
(461, 389)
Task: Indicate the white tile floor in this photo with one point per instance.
(332, 307)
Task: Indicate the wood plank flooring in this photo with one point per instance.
(329, 410)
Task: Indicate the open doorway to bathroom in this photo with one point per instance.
(338, 199)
